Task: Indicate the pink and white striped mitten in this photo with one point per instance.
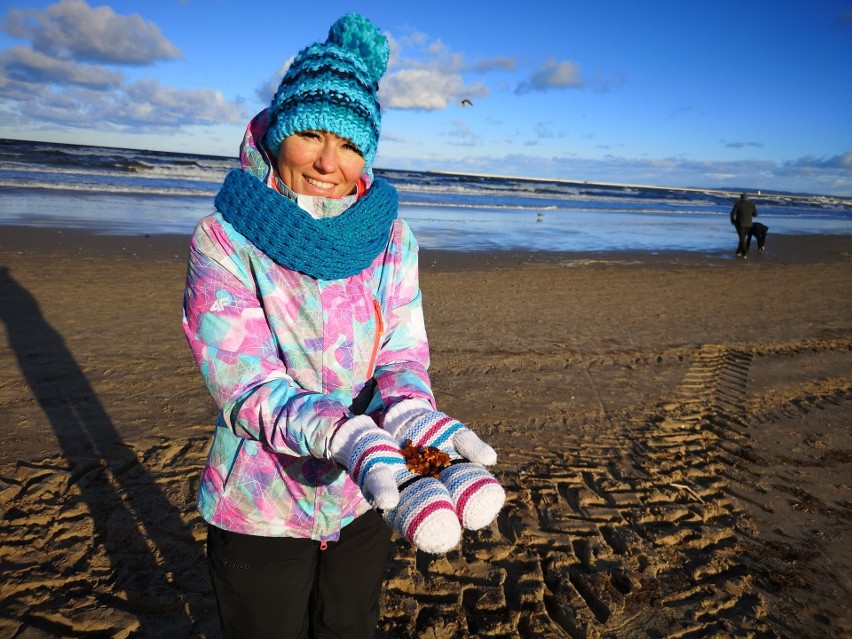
(425, 515)
(477, 495)
(420, 508)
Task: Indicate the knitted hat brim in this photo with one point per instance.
(349, 121)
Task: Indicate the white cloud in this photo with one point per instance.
(437, 47)
(265, 92)
(28, 66)
(71, 29)
(64, 79)
(425, 74)
(841, 162)
(552, 75)
(143, 107)
(499, 63)
(146, 102)
(74, 106)
(462, 135)
(425, 89)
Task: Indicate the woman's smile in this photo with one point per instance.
(319, 163)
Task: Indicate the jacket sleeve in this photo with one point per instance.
(403, 360)
(233, 346)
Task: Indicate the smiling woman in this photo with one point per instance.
(304, 314)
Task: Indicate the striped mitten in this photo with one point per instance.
(477, 495)
(425, 515)
(371, 457)
(418, 507)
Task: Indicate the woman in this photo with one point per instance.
(303, 312)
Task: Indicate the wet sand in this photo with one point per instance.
(673, 431)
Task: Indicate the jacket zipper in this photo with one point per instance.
(380, 329)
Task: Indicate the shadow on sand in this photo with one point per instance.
(150, 548)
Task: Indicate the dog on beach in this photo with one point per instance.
(757, 230)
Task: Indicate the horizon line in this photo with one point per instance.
(691, 189)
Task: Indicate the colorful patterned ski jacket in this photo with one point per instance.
(286, 357)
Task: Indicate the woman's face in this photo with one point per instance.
(319, 163)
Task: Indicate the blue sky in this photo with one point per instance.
(735, 94)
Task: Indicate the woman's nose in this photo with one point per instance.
(327, 159)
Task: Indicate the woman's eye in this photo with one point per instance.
(352, 148)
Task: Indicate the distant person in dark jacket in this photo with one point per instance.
(741, 217)
(758, 230)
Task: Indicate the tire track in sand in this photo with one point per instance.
(630, 530)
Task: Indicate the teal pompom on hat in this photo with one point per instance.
(333, 87)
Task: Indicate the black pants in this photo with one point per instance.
(742, 232)
(285, 588)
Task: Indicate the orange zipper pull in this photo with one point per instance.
(380, 329)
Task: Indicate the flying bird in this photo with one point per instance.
(466, 102)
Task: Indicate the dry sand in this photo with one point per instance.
(673, 430)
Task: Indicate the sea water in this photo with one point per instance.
(132, 192)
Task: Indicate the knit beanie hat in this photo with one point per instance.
(332, 87)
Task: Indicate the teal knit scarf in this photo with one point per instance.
(327, 249)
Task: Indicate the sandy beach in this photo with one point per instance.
(673, 431)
